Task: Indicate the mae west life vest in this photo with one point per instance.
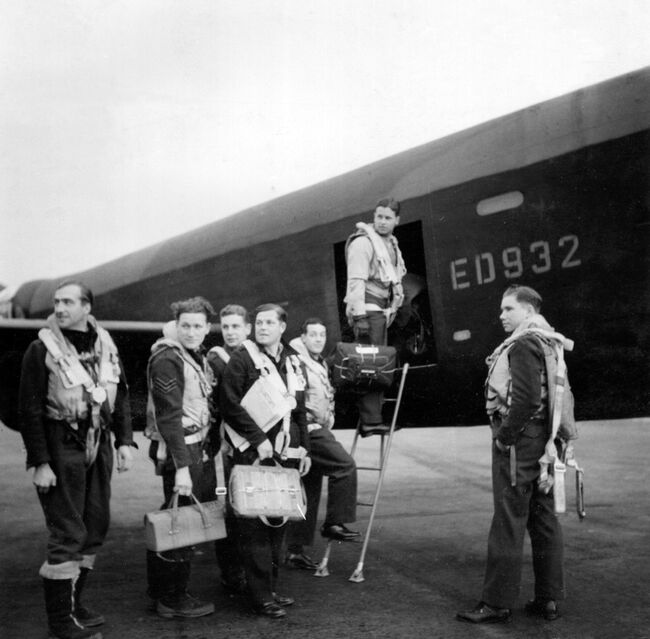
(556, 394)
(386, 277)
(197, 388)
(319, 392)
(76, 390)
(270, 400)
(499, 380)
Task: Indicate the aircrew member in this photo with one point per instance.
(288, 439)
(235, 328)
(72, 394)
(375, 269)
(329, 458)
(517, 399)
(178, 420)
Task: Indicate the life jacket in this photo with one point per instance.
(556, 391)
(76, 390)
(260, 397)
(197, 389)
(319, 392)
(498, 382)
(385, 277)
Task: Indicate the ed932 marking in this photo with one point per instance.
(513, 262)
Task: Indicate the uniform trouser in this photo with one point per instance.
(168, 573)
(517, 508)
(77, 509)
(329, 459)
(370, 403)
(227, 549)
(259, 546)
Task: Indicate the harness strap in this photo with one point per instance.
(76, 374)
(268, 370)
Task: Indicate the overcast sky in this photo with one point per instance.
(126, 122)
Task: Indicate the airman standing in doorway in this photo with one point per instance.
(375, 269)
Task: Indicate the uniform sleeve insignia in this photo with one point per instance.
(164, 385)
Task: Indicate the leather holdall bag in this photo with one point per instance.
(267, 491)
(178, 527)
(363, 366)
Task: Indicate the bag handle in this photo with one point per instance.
(173, 505)
(264, 519)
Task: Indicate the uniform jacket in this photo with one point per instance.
(180, 384)
(517, 385)
(36, 399)
(370, 278)
(239, 376)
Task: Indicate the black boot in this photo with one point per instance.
(160, 577)
(86, 616)
(180, 603)
(59, 602)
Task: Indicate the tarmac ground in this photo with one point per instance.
(425, 560)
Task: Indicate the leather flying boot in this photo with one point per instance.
(180, 603)
(59, 601)
(86, 616)
(183, 606)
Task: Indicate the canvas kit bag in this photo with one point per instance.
(178, 527)
(267, 491)
(363, 366)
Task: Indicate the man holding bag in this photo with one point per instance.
(178, 420)
(374, 294)
(285, 439)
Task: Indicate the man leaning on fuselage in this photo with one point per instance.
(72, 394)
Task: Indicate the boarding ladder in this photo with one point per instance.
(385, 441)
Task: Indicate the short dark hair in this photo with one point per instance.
(309, 321)
(389, 203)
(192, 305)
(85, 293)
(526, 295)
(235, 309)
(282, 314)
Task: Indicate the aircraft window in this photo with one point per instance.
(503, 202)
(462, 336)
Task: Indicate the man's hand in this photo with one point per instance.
(502, 447)
(183, 481)
(124, 458)
(265, 450)
(391, 314)
(44, 477)
(304, 466)
(361, 326)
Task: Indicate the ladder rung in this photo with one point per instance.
(365, 503)
(368, 467)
